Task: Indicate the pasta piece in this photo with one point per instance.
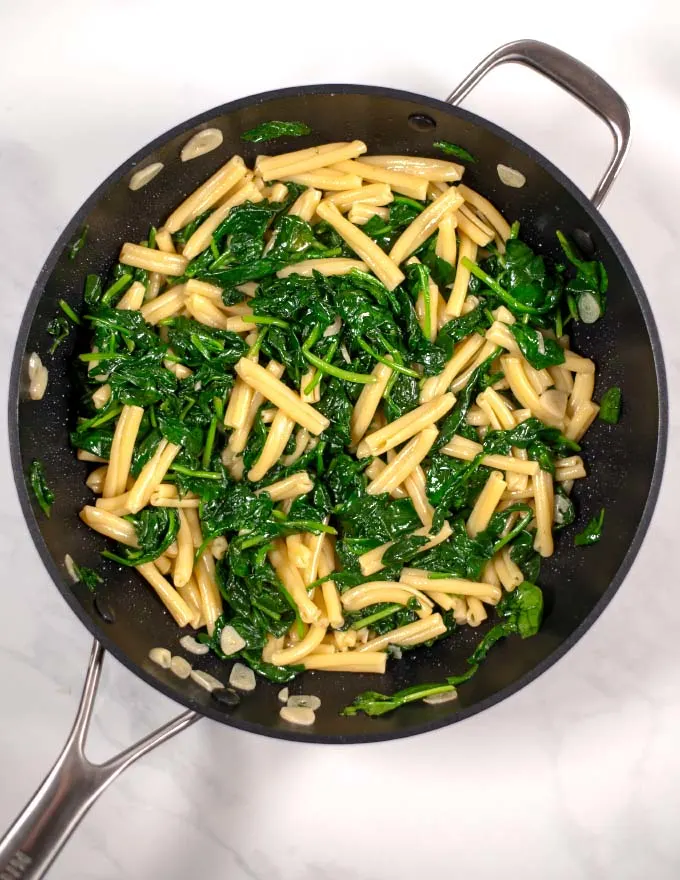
(277, 440)
(101, 396)
(509, 573)
(141, 257)
(204, 572)
(361, 213)
(315, 544)
(417, 577)
(405, 462)
(368, 402)
(545, 502)
(486, 503)
(189, 592)
(500, 408)
(201, 238)
(415, 488)
(424, 225)
(306, 204)
(109, 525)
(562, 379)
(375, 468)
(308, 645)
(298, 552)
(492, 214)
(278, 193)
(467, 249)
(419, 166)
(581, 420)
(122, 447)
(184, 561)
(133, 298)
(406, 184)
(302, 161)
(371, 253)
(577, 364)
(348, 661)
(95, 479)
(239, 438)
(331, 597)
(329, 266)
(164, 306)
(462, 355)
(374, 592)
(138, 497)
(164, 241)
(571, 468)
(525, 394)
(373, 194)
(281, 395)
(292, 581)
(405, 427)
(327, 179)
(172, 600)
(446, 247)
(476, 613)
(582, 391)
(461, 447)
(290, 487)
(412, 634)
(207, 195)
(302, 441)
(473, 227)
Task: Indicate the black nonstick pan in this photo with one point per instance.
(625, 462)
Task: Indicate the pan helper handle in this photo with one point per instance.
(72, 786)
(576, 78)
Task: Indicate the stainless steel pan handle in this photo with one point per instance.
(70, 789)
(576, 78)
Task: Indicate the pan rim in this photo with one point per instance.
(100, 633)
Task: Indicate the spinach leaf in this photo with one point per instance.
(589, 287)
(540, 351)
(402, 397)
(233, 507)
(592, 532)
(43, 494)
(270, 131)
(59, 328)
(523, 554)
(156, 529)
(454, 150)
(565, 512)
(78, 243)
(404, 550)
(195, 343)
(610, 406)
(521, 612)
(277, 674)
(456, 329)
(88, 576)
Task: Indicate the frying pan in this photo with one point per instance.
(124, 616)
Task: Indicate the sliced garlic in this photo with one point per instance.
(205, 680)
(70, 567)
(37, 375)
(180, 666)
(145, 175)
(161, 656)
(283, 695)
(242, 677)
(445, 697)
(190, 644)
(300, 701)
(201, 143)
(511, 176)
(230, 641)
(299, 716)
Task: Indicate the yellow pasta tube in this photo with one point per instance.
(417, 577)
(141, 257)
(476, 613)
(109, 525)
(189, 592)
(361, 213)
(581, 420)
(163, 564)
(331, 597)
(412, 634)
(577, 364)
(239, 437)
(328, 180)
(461, 447)
(95, 479)
(446, 247)
(375, 468)
(328, 266)
(277, 439)
(278, 193)
(406, 184)
(571, 468)
(404, 463)
(461, 282)
(473, 227)
(133, 298)
(164, 306)
(202, 237)
(384, 591)
(292, 581)
(500, 408)
(373, 194)
(308, 645)
(207, 195)
(545, 498)
(526, 395)
(281, 395)
(211, 600)
(484, 206)
(372, 254)
(164, 241)
(184, 561)
(303, 161)
(509, 573)
(582, 391)
(140, 493)
(415, 488)
(562, 379)
(419, 166)
(405, 427)
(347, 661)
(290, 487)
(424, 225)
(101, 396)
(463, 353)
(238, 404)
(122, 447)
(315, 544)
(500, 334)
(204, 288)
(368, 402)
(486, 503)
(298, 552)
(306, 204)
(172, 600)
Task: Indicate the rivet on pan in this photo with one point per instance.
(226, 697)
(584, 243)
(104, 609)
(421, 122)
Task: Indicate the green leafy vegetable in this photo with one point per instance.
(540, 351)
(454, 150)
(156, 529)
(270, 131)
(59, 328)
(87, 576)
(78, 243)
(610, 406)
(592, 532)
(43, 494)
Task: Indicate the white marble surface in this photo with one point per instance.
(577, 776)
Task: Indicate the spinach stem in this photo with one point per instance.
(68, 311)
(117, 287)
(398, 368)
(331, 370)
(201, 475)
(376, 616)
(209, 443)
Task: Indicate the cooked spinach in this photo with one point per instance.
(270, 131)
(38, 480)
(156, 529)
(78, 243)
(87, 576)
(454, 150)
(592, 532)
(610, 406)
(540, 351)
